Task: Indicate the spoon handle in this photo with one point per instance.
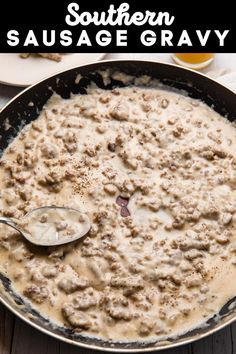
(9, 222)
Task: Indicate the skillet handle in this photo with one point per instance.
(9, 222)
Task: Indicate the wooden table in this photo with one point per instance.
(16, 337)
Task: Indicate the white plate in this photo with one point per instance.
(24, 72)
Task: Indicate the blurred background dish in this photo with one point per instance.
(16, 71)
(193, 60)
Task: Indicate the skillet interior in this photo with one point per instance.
(19, 112)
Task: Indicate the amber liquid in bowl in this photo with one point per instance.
(193, 60)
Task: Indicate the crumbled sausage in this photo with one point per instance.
(226, 218)
(75, 318)
(192, 254)
(70, 141)
(49, 151)
(129, 284)
(177, 279)
(110, 188)
(38, 294)
(50, 271)
(120, 112)
(52, 180)
(70, 285)
(145, 327)
(193, 280)
(85, 301)
(222, 239)
(164, 103)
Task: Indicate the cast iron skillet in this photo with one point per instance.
(20, 111)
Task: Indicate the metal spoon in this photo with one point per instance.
(51, 226)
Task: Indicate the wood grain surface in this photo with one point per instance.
(17, 337)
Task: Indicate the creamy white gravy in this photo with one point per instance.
(156, 173)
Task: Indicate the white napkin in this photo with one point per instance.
(224, 76)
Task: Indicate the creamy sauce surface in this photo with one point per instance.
(156, 173)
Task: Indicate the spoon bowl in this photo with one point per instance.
(51, 225)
